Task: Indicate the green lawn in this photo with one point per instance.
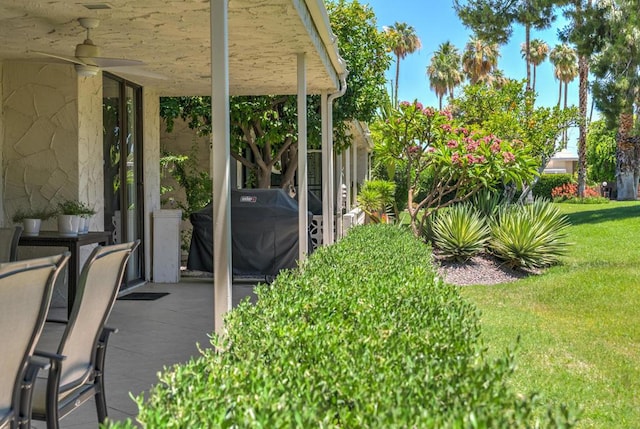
(579, 322)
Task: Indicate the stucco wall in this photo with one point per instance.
(90, 148)
(151, 163)
(40, 147)
(181, 141)
(2, 219)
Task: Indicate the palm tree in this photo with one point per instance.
(538, 51)
(479, 60)
(403, 41)
(444, 71)
(498, 79)
(565, 62)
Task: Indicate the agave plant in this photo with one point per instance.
(488, 202)
(459, 232)
(529, 236)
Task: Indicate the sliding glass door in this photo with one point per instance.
(122, 121)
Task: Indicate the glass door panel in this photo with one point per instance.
(122, 171)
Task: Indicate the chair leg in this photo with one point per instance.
(101, 400)
(53, 418)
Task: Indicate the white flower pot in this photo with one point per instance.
(82, 223)
(31, 227)
(68, 225)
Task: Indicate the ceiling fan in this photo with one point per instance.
(88, 61)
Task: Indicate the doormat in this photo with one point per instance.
(143, 296)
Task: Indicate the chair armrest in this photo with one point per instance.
(62, 321)
(26, 389)
(106, 332)
(53, 357)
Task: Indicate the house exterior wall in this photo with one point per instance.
(561, 166)
(90, 148)
(2, 215)
(182, 140)
(151, 164)
(40, 145)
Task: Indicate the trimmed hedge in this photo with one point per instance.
(547, 182)
(363, 335)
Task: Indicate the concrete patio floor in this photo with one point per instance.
(152, 335)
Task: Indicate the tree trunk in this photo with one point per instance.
(289, 167)
(583, 72)
(527, 43)
(440, 101)
(397, 77)
(565, 133)
(559, 93)
(534, 79)
(264, 178)
(626, 159)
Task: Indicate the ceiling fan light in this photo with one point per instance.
(87, 50)
(86, 70)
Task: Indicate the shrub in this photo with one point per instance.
(529, 236)
(547, 182)
(569, 193)
(459, 232)
(375, 197)
(362, 335)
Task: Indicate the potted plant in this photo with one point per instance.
(86, 213)
(32, 218)
(69, 212)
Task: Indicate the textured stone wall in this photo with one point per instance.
(90, 148)
(40, 145)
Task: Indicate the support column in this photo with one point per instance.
(354, 173)
(327, 215)
(220, 162)
(303, 220)
(339, 199)
(332, 174)
(347, 179)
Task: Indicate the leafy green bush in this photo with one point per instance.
(529, 236)
(547, 182)
(459, 232)
(362, 335)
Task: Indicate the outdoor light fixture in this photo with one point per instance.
(86, 70)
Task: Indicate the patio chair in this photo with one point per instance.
(9, 238)
(25, 293)
(77, 358)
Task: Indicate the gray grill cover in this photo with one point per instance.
(264, 233)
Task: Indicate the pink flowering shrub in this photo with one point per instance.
(458, 161)
(569, 191)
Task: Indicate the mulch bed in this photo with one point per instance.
(483, 269)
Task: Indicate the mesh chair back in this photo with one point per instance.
(25, 293)
(96, 293)
(9, 238)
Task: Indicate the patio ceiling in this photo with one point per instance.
(173, 38)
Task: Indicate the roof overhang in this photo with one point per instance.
(173, 39)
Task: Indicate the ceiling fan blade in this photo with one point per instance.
(134, 71)
(112, 62)
(66, 58)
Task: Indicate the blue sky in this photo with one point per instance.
(435, 22)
